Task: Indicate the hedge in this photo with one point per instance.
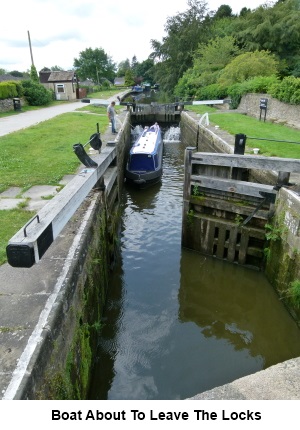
(10, 89)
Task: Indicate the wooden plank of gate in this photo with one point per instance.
(232, 186)
(247, 161)
(221, 241)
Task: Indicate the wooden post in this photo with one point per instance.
(186, 190)
(283, 178)
(239, 148)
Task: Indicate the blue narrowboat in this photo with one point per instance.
(144, 166)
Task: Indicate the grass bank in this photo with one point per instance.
(279, 137)
(42, 155)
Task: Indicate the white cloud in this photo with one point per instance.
(59, 31)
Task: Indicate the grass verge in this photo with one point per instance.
(40, 155)
(279, 136)
(43, 154)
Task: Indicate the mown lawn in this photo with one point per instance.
(41, 155)
(279, 136)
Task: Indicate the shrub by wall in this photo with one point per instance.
(8, 90)
(288, 90)
(36, 94)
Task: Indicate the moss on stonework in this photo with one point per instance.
(282, 268)
(71, 383)
(69, 371)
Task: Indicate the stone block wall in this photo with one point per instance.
(6, 105)
(283, 251)
(278, 112)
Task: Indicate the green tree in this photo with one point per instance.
(224, 11)
(94, 64)
(209, 60)
(215, 55)
(129, 80)
(123, 66)
(175, 53)
(248, 65)
(3, 71)
(145, 69)
(244, 11)
(33, 74)
(133, 65)
(16, 73)
(273, 28)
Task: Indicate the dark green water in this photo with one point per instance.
(178, 323)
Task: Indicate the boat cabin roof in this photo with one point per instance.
(147, 143)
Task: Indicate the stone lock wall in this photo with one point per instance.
(62, 369)
(283, 248)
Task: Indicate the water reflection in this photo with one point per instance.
(146, 97)
(178, 323)
(228, 303)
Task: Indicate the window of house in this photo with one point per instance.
(60, 88)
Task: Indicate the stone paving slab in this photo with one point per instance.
(40, 191)
(35, 205)
(12, 343)
(12, 192)
(66, 179)
(8, 204)
(29, 305)
(37, 280)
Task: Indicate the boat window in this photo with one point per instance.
(141, 162)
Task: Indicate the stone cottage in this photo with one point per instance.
(64, 84)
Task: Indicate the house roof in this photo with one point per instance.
(60, 76)
(9, 77)
(44, 76)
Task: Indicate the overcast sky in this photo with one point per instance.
(60, 29)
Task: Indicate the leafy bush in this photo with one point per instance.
(295, 99)
(248, 65)
(105, 85)
(261, 84)
(185, 87)
(287, 90)
(8, 90)
(36, 94)
(258, 84)
(235, 92)
(211, 92)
